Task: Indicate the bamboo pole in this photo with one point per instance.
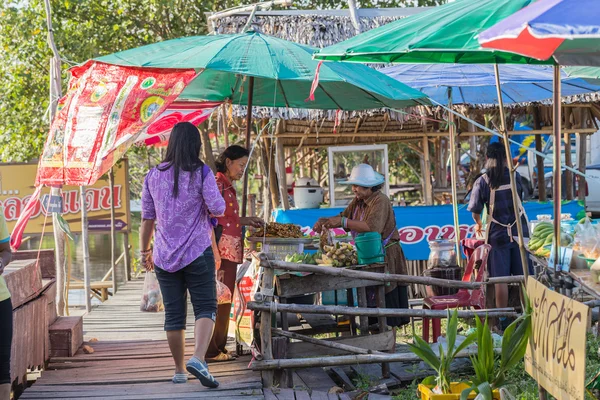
(454, 175)
(568, 160)
(325, 343)
(513, 182)
(375, 312)
(248, 134)
(55, 95)
(380, 277)
(281, 175)
(86, 250)
(265, 327)
(539, 160)
(113, 235)
(418, 135)
(332, 361)
(556, 189)
(427, 189)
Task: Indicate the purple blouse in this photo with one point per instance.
(183, 226)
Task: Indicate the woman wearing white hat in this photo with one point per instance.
(371, 211)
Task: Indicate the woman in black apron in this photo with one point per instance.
(492, 190)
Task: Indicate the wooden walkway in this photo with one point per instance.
(131, 360)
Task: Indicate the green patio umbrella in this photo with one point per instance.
(282, 72)
(590, 74)
(255, 69)
(444, 34)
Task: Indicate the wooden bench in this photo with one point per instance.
(100, 287)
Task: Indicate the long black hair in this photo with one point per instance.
(183, 152)
(495, 164)
(232, 153)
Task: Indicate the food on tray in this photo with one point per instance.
(277, 230)
(303, 258)
(339, 255)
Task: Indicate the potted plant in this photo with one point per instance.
(487, 377)
(439, 386)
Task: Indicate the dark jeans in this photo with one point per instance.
(199, 279)
(6, 332)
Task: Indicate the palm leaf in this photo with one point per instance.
(424, 352)
(485, 390)
(464, 395)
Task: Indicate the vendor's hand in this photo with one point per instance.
(479, 230)
(319, 225)
(220, 275)
(333, 222)
(255, 222)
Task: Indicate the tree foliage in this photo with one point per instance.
(85, 29)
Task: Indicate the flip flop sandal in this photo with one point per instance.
(200, 370)
(221, 357)
(180, 378)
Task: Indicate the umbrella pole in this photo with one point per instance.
(556, 169)
(248, 131)
(513, 182)
(453, 174)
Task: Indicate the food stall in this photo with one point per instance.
(579, 275)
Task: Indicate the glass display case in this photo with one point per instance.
(341, 161)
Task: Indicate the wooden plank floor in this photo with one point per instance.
(131, 360)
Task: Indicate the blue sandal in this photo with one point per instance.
(200, 370)
(180, 378)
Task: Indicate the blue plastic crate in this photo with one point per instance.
(328, 298)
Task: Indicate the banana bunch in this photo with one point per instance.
(302, 258)
(338, 255)
(543, 236)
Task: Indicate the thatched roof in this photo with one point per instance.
(320, 28)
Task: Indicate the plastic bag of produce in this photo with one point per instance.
(152, 300)
(223, 293)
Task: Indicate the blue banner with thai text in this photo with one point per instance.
(418, 225)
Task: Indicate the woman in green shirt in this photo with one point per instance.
(5, 312)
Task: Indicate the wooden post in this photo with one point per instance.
(252, 200)
(272, 173)
(281, 378)
(86, 250)
(280, 170)
(569, 187)
(265, 327)
(363, 324)
(539, 159)
(126, 250)
(113, 236)
(582, 159)
(209, 158)
(223, 111)
(427, 189)
(380, 298)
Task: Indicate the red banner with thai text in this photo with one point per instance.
(106, 108)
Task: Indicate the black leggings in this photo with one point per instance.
(6, 332)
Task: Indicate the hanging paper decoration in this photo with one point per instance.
(105, 110)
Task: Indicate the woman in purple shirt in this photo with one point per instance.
(179, 198)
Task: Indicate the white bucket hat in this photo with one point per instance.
(364, 175)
